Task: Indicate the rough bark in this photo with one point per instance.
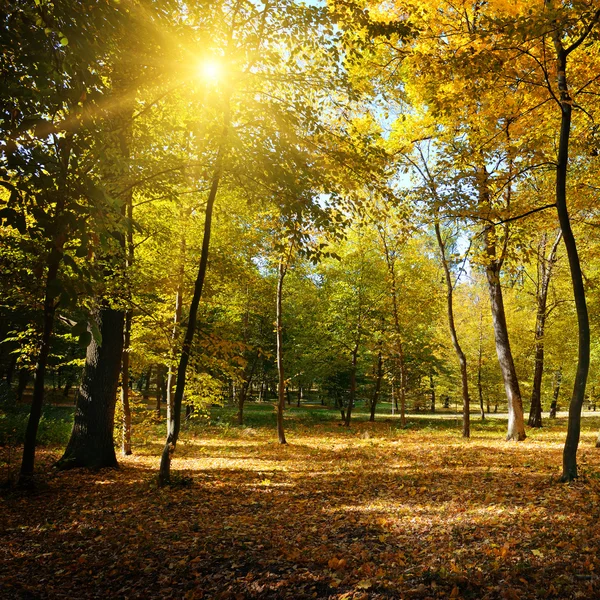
(91, 444)
(545, 266)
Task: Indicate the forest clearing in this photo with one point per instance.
(375, 511)
(380, 219)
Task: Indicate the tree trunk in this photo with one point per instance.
(556, 392)
(27, 464)
(22, 384)
(174, 422)
(352, 397)
(493, 267)
(391, 266)
(462, 361)
(176, 321)
(280, 373)
(583, 360)
(126, 434)
(378, 379)
(91, 444)
(245, 389)
(545, 266)
(146, 392)
(479, 365)
(516, 425)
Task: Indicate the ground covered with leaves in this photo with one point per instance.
(373, 511)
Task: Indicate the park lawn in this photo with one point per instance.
(374, 511)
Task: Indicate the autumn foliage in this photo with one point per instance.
(375, 511)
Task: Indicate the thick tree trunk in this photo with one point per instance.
(352, 397)
(378, 379)
(280, 373)
(27, 464)
(583, 361)
(91, 444)
(462, 361)
(545, 266)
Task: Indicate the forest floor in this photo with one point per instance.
(374, 511)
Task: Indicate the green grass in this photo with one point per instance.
(54, 429)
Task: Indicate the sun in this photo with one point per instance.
(210, 69)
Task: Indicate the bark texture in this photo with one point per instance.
(91, 444)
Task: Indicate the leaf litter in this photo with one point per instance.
(334, 514)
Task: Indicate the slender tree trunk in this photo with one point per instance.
(248, 375)
(146, 392)
(126, 434)
(378, 379)
(352, 397)
(91, 444)
(493, 267)
(479, 365)
(556, 392)
(27, 464)
(462, 360)
(516, 426)
(280, 373)
(391, 266)
(583, 361)
(545, 266)
(22, 384)
(174, 422)
(174, 330)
